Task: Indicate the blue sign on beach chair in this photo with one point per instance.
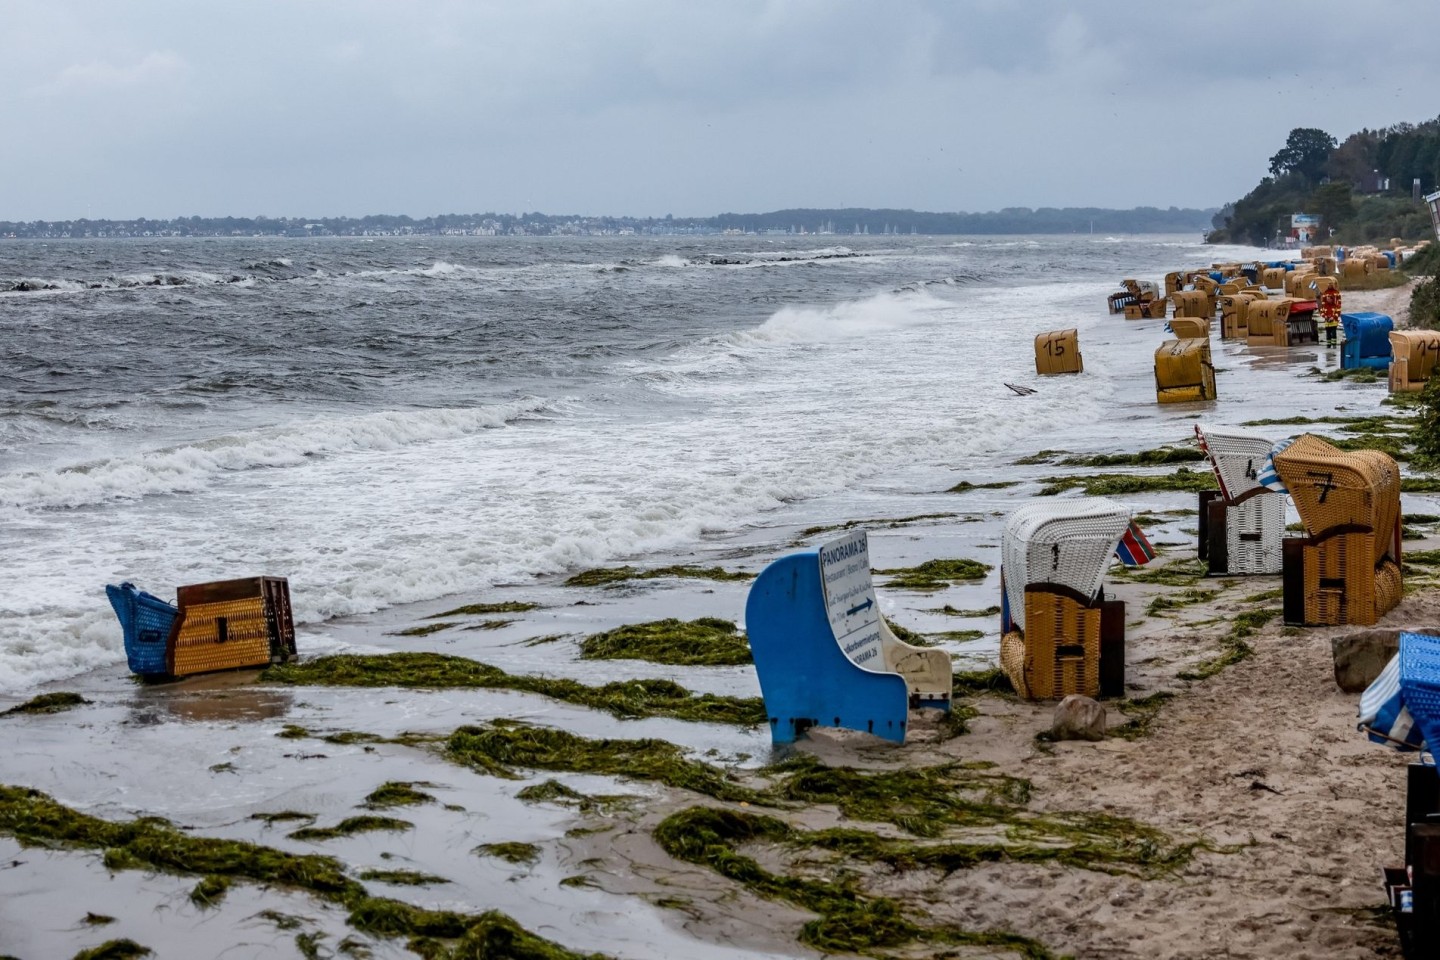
(825, 657)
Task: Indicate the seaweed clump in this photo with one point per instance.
(397, 793)
(483, 609)
(115, 950)
(626, 698)
(1233, 646)
(511, 851)
(150, 843)
(935, 574)
(1145, 458)
(47, 703)
(351, 826)
(708, 641)
(1117, 484)
(608, 576)
(502, 746)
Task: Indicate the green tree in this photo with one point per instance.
(1334, 204)
(1305, 153)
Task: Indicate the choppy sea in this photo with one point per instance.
(390, 421)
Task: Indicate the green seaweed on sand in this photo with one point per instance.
(579, 880)
(283, 816)
(115, 950)
(553, 791)
(624, 698)
(1145, 458)
(96, 919)
(1175, 601)
(1119, 484)
(708, 641)
(607, 576)
(153, 844)
(1265, 596)
(1424, 558)
(308, 944)
(424, 630)
(1233, 646)
(409, 878)
(210, 890)
(888, 522)
(511, 851)
(351, 826)
(46, 703)
(960, 636)
(1177, 573)
(397, 793)
(906, 635)
(1420, 484)
(484, 609)
(965, 485)
(1044, 456)
(934, 574)
(950, 611)
(501, 747)
(1141, 713)
(848, 922)
(973, 682)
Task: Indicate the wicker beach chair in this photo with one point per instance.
(230, 624)
(1347, 569)
(1414, 354)
(1193, 303)
(1184, 371)
(1058, 351)
(1054, 557)
(1269, 322)
(1242, 528)
(1190, 328)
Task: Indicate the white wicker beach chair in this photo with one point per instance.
(1237, 457)
(1254, 516)
(1064, 542)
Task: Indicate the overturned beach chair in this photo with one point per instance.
(1184, 371)
(230, 624)
(1059, 635)
(146, 622)
(1058, 352)
(1347, 569)
(1242, 525)
(824, 655)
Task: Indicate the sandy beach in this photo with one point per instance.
(1240, 815)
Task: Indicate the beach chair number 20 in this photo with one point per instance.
(1327, 482)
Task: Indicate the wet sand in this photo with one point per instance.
(1261, 760)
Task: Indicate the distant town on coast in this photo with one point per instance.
(851, 221)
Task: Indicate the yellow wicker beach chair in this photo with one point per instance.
(1184, 371)
(1193, 303)
(1346, 571)
(1190, 328)
(1413, 356)
(1058, 352)
(230, 624)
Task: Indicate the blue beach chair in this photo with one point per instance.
(1420, 682)
(1384, 718)
(146, 621)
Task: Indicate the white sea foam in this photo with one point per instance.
(672, 260)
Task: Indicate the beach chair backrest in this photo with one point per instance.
(1068, 543)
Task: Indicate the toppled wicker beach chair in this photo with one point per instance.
(1414, 354)
(1184, 371)
(1242, 525)
(146, 622)
(1347, 569)
(1059, 635)
(231, 624)
(1058, 352)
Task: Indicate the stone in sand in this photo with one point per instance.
(1078, 718)
(1361, 655)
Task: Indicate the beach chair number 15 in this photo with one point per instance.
(1055, 348)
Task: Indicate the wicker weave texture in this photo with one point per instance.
(1058, 351)
(1184, 371)
(1334, 488)
(1062, 647)
(1340, 581)
(1415, 354)
(1069, 542)
(1236, 456)
(200, 649)
(1269, 322)
(1255, 534)
(1193, 303)
(1012, 662)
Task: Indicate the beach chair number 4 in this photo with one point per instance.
(1250, 473)
(1327, 482)
(1054, 556)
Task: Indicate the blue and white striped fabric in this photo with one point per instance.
(1267, 477)
(1383, 714)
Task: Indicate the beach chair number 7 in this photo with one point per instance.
(1327, 484)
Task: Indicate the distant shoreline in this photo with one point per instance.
(796, 222)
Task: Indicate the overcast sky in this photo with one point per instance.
(648, 107)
